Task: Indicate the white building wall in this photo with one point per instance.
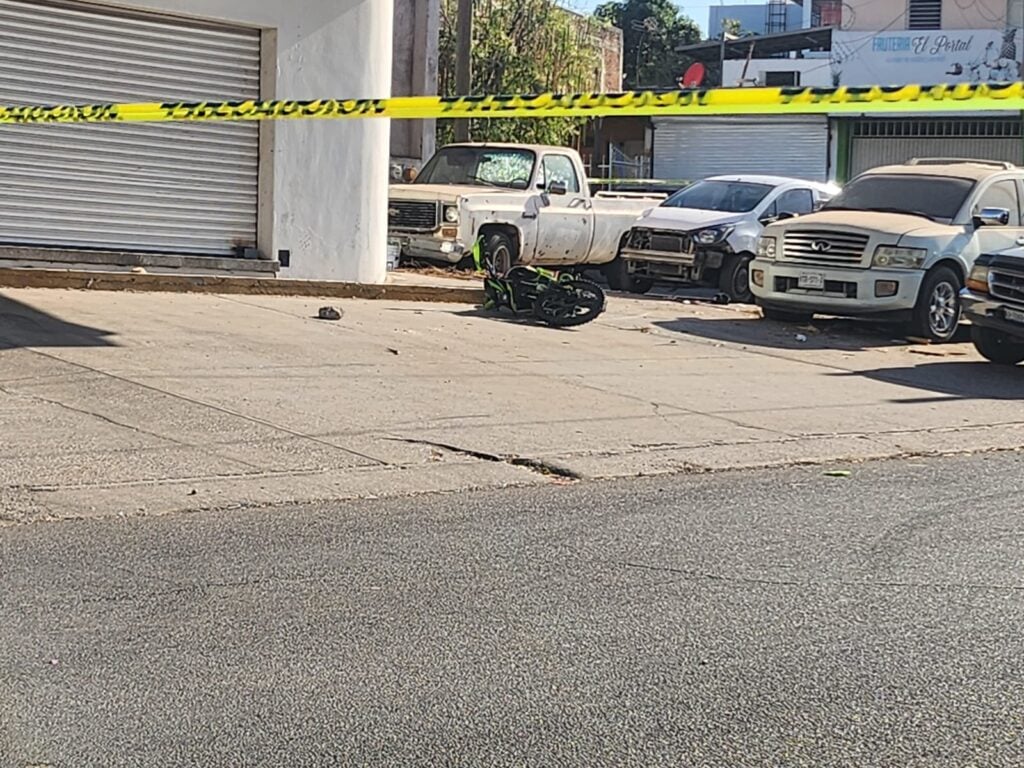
(327, 198)
(813, 72)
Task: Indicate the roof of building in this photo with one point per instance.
(816, 39)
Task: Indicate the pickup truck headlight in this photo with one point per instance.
(891, 257)
(766, 248)
(978, 279)
(713, 235)
(451, 214)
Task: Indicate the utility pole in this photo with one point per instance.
(464, 62)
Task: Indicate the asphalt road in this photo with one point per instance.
(761, 619)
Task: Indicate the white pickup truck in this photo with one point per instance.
(530, 204)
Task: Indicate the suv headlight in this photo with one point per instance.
(451, 214)
(766, 247)
(713, 235)
(891, 257)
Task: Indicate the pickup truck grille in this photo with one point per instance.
(824, 247)
(403, 214)
(653, 240)
(1008, 286)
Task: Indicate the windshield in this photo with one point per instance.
(481, 167)
(937, 197)
(728, 196)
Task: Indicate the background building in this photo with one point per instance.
(865, 42)
(309, 196)
(414, 73)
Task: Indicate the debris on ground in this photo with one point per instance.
(802, 338)
(918, 340)
(394, 351)
(938, 352)
(838, 473)
(329, 313)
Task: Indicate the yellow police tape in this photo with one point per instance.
(719, 101)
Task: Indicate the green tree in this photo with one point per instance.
(652, 30)
(732, 27)
(521, 46)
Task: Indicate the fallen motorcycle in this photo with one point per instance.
(558, 299)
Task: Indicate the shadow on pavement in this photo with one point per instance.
(23, 326)
(819, 334)
(966, 380)
(504, 316)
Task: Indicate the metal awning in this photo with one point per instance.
(817, 39)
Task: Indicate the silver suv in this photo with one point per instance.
(898, 243)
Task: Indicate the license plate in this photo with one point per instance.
(1015, 316)
(811, 280)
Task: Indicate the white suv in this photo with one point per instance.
(707, 233)
(898, 243)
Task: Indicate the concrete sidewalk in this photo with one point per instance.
(127, 403)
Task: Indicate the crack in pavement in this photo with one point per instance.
(534, 465)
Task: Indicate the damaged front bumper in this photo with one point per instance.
(428, 247)
(673, 266)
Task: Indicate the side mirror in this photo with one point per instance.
(992, 217)
(558, 188)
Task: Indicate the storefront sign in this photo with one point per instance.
(940, 56)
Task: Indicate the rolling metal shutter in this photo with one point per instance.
(689, 149)
(168, 187)
(889, 142)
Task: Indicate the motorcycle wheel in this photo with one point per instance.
(569, 304)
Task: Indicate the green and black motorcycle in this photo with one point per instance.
(559, 299)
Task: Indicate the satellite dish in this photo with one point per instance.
(693, 76)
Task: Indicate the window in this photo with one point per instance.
(727, 196)
(939, 198)
(1002, 194)
(560, 168)
(796, 201)
(479, 166)
(1014, 14)
(924, 14)
(781, 79)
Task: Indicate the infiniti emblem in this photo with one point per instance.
(821, 246)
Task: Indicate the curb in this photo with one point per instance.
(258, 286)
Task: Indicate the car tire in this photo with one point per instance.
(502, 251)
(785, 316)
(734, 278)
(937, 314)
(997, 347)
(619, 279)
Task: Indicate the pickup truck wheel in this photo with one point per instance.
(997, 347)
(619, 279)
(502, 251)
(784, 316)
(734, 278)
(937, 314)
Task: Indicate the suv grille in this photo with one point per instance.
(823, 247)
(1008, 286)
(413, 215)
(650, 240)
